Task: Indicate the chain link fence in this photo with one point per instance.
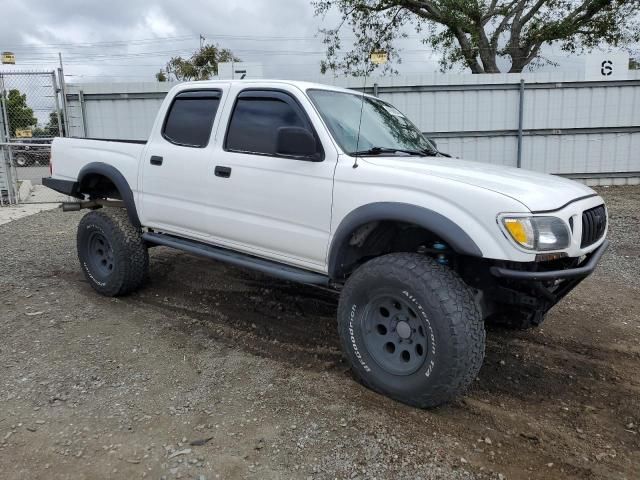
(31, 115)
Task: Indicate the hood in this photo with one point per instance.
(537, 191)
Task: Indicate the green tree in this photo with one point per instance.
(19, 115)
(51, 129)
(161, 76)
(202, 65)
(476, 33)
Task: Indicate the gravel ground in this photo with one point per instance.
(214, 372)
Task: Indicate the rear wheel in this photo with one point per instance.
(21, 160)
(410, 329)
(111, 251)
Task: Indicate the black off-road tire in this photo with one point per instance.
(439, 338)
(111, 251)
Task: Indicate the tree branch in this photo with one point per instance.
(503, 24)
(532, 11)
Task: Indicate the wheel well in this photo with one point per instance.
(377, 238)
(99, 186)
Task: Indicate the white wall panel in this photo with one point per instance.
(454, 104)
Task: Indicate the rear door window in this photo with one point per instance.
(190, 118)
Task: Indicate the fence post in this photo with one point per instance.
(12, 179)
(56, 92)
(520, 120)
(63, 89)
(375, 89)
(4, 165)
(82, 115)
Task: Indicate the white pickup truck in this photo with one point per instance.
(327, 186)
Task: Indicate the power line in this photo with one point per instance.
(107, 42)
(212, 36)
(102, 56)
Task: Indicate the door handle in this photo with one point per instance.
(224, 172)
(156, 160)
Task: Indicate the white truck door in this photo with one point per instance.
(176, 164)
(273, 204)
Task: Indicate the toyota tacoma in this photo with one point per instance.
(332, 187)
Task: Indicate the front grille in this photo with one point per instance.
(594, 223)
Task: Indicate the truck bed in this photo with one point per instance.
(70, 155)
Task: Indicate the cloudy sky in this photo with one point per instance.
(129, 40)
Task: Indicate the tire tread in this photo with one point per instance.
(456, 299)
(127, 244)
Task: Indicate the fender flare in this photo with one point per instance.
(440, 225)
(118, 180)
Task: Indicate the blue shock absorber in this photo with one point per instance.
(441, 258)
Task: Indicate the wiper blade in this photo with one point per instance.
(427, 152)
(383, 150)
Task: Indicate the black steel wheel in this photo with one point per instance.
(394, 334)
(100, 254)
(111, 251)
(410, 329)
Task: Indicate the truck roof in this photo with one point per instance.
(300, 84)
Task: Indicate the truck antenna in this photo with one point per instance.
(364, 85)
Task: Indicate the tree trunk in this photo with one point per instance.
(487, 54)
(468, 51)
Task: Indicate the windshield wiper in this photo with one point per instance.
(429, 152)
(383, 150)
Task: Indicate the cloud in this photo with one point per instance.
(131, 40)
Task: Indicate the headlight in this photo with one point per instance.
(538, 233)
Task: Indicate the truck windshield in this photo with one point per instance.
(383, 129)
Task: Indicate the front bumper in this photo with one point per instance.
(578, 272)
(516, 287)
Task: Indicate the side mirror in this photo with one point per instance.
(297, 142)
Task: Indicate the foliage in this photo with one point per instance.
(161, 76)
(51, 128)
(19, 115)
(476, 33)
(202, 65)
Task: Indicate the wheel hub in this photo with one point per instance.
(100, 254)
(403, 329)
(395, 335)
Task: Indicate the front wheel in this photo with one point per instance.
(410, 329)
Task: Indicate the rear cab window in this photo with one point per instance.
(190, 118)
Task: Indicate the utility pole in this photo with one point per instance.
(202, 39)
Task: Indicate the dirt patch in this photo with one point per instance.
(249, 369)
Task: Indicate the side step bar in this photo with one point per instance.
(268, 267)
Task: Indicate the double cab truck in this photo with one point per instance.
(332, 187)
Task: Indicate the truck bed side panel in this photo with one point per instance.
(69, 155)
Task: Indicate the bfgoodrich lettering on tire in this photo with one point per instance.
(111, 251)
(410, 329)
